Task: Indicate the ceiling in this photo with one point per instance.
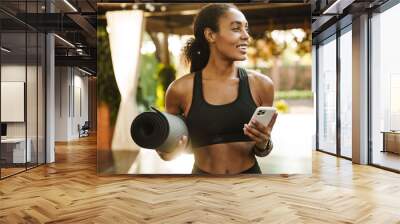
(178, 18)
(329, 15)
(72, 20)
(76, 21)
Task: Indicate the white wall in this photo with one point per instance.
(71, 102)
(33, 126)
(14, 73)
(62, 81)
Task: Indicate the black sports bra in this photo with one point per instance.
(212, 124)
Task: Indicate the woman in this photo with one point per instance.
(218, 99)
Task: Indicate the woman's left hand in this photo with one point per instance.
(260, 133)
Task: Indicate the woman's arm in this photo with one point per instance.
(264, 94)
(264, 89)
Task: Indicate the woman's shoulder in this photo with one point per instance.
(258, 79)
(185, 79)
(182, 85)
(261, 86)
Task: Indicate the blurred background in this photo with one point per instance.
(280, 47)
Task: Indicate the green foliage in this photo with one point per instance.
(165, 76)
(154, 80)
(146, 92)
(107, 88)
(293, 94)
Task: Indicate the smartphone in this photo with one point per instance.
(263, 114)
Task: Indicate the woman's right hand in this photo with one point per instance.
(182, 143)
(180, 146)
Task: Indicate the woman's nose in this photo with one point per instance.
(245, 35)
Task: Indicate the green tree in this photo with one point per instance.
(165, 76)
(146, 92)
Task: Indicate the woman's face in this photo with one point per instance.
(232, 39)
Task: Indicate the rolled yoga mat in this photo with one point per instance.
(158, 130)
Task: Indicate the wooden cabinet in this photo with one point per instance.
(391, 141)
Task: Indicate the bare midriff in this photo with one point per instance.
(225, 158)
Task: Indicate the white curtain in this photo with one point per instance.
(125, 32)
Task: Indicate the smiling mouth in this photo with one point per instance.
(242, 47)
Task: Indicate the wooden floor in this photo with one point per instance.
(10, 171)
(387, 159)
(69, 191)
